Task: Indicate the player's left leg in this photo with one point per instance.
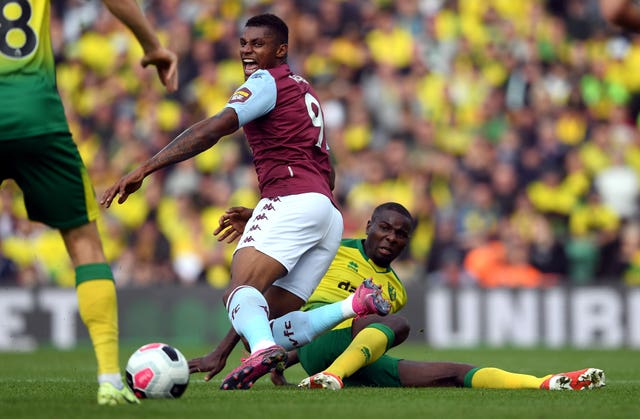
(370, 342)
(98, 307)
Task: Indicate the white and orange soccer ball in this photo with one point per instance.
(157, 371)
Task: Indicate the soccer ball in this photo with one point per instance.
(157, 371)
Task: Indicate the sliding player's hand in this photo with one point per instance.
(232, 223)
(278, 378)
(212, 363)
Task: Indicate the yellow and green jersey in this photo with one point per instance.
(29, 97)
(349, 268)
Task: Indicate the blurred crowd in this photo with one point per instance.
(510, 130)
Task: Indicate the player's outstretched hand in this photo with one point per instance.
(124, 187)
(166, 62)
(231, 224)
(278, 378)
(212, 363)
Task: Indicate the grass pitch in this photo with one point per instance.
(61, 384)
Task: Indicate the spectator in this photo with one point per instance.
(619, 187)
(547, 252)
(465, 92)
(9, 273)
(451, 273)
(593, 240)
(506, 263)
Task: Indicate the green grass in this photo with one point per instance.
(61, 384)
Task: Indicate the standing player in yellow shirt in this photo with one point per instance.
(38, 152)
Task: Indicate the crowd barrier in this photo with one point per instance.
(581, 317)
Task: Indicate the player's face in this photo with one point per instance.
(387, 236)
(259, 49)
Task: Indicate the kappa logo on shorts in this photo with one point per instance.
(240, 95)
(248, 239)
(268, 207)
(254, 228)
(261, 217)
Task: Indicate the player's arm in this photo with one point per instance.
(166, 62)
(194, 140)
(201, 136)
(623, 13)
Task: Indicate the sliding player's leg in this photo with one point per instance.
(451, 374)
(371, 338)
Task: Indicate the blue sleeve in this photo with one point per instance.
(255, 98)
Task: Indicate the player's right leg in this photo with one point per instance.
(588, 378)
(109, 395)
(298, 328)
(249, 312)
(585, 379)
(368, 299)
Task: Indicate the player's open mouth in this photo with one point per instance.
(384, 251)
(250, 66)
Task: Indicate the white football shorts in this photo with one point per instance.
(302, 232)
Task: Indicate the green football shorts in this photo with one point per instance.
(316, 356)
(54, 181)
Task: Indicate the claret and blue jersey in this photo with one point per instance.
(290, 150)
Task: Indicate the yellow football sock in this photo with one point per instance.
(98, 308)
(501, 379)
(365, 348)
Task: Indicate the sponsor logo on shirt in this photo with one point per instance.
(240, 95)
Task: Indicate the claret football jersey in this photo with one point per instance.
(283, 122)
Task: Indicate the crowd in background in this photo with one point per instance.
(509, 129)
